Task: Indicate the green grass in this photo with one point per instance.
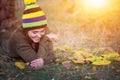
(58, 72)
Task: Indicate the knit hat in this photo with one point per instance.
(33, 16)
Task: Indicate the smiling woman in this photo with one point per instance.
(30, 42)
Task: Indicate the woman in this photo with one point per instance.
(31, 43)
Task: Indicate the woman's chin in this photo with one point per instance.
(36, 41)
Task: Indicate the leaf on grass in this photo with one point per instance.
(66, 64)
(79, 61)
(87, 77)
(110, 55)
(117, 59)
(94, 59)
(78, 58)
(94, 70)
(87, 55)
(20, 64)
(102, 62)
(79, 52)
(63, 48)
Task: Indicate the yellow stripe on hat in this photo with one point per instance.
(27, 2)
(33, 15)
(34, 24)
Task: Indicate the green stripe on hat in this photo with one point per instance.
(31, 6)
(34, 24)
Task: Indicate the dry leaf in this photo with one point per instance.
(94, 69)
(66, 64)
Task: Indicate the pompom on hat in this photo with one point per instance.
(33, 16)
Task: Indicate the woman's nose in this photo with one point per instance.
(39, 35)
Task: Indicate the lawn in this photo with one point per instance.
(65, 68)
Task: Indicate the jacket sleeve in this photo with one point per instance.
(23, 49)
(46, 52)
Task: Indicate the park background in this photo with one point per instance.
(80, 28)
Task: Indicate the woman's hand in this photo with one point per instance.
(37, 63)
(53, 37)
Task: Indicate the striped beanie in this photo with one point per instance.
(33, 16)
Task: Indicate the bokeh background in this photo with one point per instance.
(85, 29)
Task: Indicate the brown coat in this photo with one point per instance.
(19, 46)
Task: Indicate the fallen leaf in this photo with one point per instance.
(20, 64)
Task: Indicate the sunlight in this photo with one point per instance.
(97, 7)
(96, 3)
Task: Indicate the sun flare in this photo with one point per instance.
(96, 3)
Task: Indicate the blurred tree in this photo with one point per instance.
(6, 11)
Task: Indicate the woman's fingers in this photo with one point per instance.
(37, 63)
(53, 37)
(37, 60)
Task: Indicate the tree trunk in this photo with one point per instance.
(6, 12)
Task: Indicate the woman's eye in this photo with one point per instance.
(42, 31)
(34, 32)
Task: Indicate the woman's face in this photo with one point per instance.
(36, 34)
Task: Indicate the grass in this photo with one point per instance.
(58, 72)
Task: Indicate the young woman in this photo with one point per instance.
(31, 43)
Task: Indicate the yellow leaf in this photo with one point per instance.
(94, 59)
(20, 64)
(110, 55)
(78, 58)
(63, 47)
(79, 52)
(55, 48)
(117, 59)
(66, 47)
(102, 62)
(87, 55)
(79, 61)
